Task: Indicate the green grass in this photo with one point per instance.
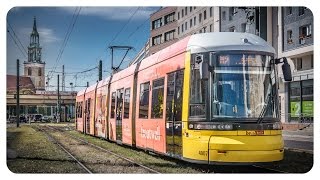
(35, 153)
(158, 163)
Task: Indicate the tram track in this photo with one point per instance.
(106, 160)
(201, 168)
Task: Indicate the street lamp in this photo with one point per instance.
(72, 93)
(71, 84)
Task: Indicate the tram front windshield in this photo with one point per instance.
(241, 87)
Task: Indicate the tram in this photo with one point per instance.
(209, 98)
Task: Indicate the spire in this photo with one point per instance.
(34, 49)
(34, 24)
(34, 31)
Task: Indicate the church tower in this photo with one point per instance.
(34, 67)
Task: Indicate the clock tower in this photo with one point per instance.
(35, 67)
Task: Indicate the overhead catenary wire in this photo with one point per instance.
(67, 36)
(138, 27)
(87, 70)
(128, 21)
(15, 37)
(124, 26)
(15, 42)
(78, 77)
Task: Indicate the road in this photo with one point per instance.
(301, 141)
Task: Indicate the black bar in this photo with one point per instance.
(18, 93)
(58, 103)
(100, 70)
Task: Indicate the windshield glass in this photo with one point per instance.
(241, 86)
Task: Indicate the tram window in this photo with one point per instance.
(81, 106)
(126, 103)
(197, 92)
(174, 96)
(78, 109)
(89, 106)
(144, 100)
(119, 104)
(157, 98)
(113, 104)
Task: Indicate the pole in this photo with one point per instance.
(63, 79)
(18, 95)
(112, 60)
(87, 84)
(100, 70)
(58, 102)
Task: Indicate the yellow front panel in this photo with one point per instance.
(226, 146)
(246, 156)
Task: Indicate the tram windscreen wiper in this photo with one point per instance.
(264, 109)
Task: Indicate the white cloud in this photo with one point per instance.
(47, 36)
(113, 13)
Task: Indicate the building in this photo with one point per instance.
(33, 97)
(289, 31)
(255, 20)
(35, 67)
(193, 20)
(162, 29)
(295, 42)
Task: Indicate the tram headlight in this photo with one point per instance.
(220, 126)
(203, 126)
(198, 126)
(228, 127)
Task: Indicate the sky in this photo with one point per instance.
(94, 30)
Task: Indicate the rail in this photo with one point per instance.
(108, 151)
(64, 149)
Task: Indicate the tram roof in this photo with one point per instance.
(227, 41)
(81, 92)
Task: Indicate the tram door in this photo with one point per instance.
(87, 118)
(174, 113)
(119, 115)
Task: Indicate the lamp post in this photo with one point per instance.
(72, 105)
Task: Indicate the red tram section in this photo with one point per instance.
(120, 114)
(101, 109)
(89, 109)
(152, 96)
(79, 110)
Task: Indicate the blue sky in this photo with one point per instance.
(93, 32)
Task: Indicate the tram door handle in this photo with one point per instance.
(235, 109)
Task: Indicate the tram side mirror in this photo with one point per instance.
(204, 70)
(286, 70)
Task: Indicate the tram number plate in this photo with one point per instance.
(254, 133)
(203, 153)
